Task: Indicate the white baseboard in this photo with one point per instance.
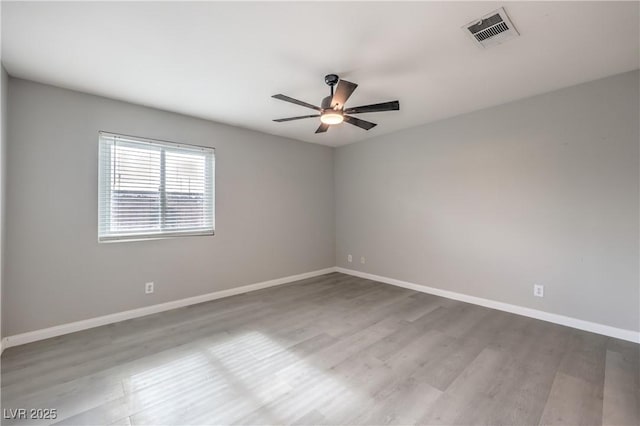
(58, 330)
(618, 333)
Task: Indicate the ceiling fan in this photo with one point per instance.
(332, 110)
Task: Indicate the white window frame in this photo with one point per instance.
(104, 189)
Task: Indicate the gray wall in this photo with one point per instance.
(4, 85)
(274, 211)
(543, 190)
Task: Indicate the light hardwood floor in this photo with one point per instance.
(333, 349)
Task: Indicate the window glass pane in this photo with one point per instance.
(185, 185)
(135, 189)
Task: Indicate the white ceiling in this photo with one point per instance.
(223, 61)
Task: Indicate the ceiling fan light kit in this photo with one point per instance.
(331, 117)
(332, 110)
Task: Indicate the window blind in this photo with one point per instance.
(153, 189)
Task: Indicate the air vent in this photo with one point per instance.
(492, 29)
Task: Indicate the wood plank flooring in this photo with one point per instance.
(333, 349)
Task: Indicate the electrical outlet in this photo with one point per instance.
(538, 290)
(363, 260)
(148, 288)
(349, 258)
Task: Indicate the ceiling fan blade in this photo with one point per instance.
(343, 92)
(295, 101)
(384, 106)
(280, 120)
(323, 128)
(363, 124)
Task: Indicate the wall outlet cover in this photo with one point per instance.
(538, 290)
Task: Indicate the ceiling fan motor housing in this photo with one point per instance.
(326, 102)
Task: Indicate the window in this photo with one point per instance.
(153, 189)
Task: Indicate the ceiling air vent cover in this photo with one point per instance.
(493, 28)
